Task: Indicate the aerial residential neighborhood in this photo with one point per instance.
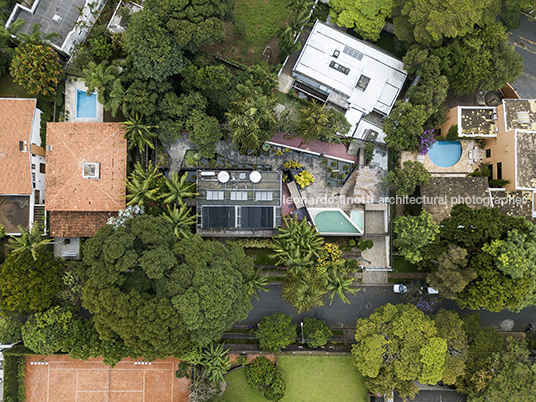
(245, 200)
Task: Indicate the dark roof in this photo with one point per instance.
(236, 203)
(14, 212)
(257, 217)
(443, 192)
(443, 395)
(218, 217)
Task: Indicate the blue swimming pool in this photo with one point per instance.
(445, 153)
(86, 106)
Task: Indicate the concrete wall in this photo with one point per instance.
(503, 151)
(452, 119)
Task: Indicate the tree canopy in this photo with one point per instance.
(29, 285)
(499, 271)
(413, 233)
(399, 344)
(366, 17)
(160, 294)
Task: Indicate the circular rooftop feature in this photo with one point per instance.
(223, 176)
(255, 176)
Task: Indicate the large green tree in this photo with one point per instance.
(29, 285)
(497, 247)
(399, 344)
(276, 332)
(413, 233)
(512, 376)
(404, 126)
(430, 22)
(482, 58)
(155, 51)
(35, 65)
(252, 117)
(409, 177)
(192, 24)
(160, 294)
(366, 17)
(451, 274)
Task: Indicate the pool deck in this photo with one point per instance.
(464, 166)
(73, 83)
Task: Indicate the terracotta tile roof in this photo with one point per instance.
(16, 118)
(69, 146)
(77, 224)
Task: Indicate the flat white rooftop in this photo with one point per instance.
(369, 78)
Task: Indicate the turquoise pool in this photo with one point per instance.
(357, 218)
(445, 153)
(334, 222)
(86, 106)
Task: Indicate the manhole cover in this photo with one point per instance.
(368, 306)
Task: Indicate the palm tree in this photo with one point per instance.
(29, 240)
(339, 285)
(181, 219)
(142, 184)
(178, 189)
(299, 5)
(257, 284)
(138, 134)
(298, 234)
(305, 290)
(215, 362)
(314, 119)
(100, 77)
(252, 117)
(116, 97)
(291, 256)
(296, 20)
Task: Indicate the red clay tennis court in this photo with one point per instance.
(66, 380)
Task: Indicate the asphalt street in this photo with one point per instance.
(524, 40)
(363, 304)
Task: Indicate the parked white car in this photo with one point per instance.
(399, 288)
(427, 290)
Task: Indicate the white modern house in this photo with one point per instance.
(22, 165)
(71, 19)
(351, 75)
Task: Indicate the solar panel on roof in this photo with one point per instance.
(257, 217)
(218, 217)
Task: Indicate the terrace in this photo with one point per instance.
(478, 121)
(520, 113)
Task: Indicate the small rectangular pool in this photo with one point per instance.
(86, 106)
(334, 222)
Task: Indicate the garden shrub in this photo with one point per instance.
(316, 332)
(452, 133)
(263, 374)
(2, 232)
(369, 152)
(351, 243)
(276, 332)
(365, 244)
(304, 179)
(14, 373)
(10, 330)
(498, 183)
(292, 165)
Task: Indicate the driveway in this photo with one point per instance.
(362, 306)
(524, 40)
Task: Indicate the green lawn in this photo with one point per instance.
(262, 19)
(10, 88)
(308, 379)
(239, 390)
(401, 265)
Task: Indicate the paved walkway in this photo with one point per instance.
(338, 151)
(375, 277)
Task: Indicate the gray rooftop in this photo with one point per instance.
(238, 204)
(526, 159)
(45, 11)
(520, 113)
